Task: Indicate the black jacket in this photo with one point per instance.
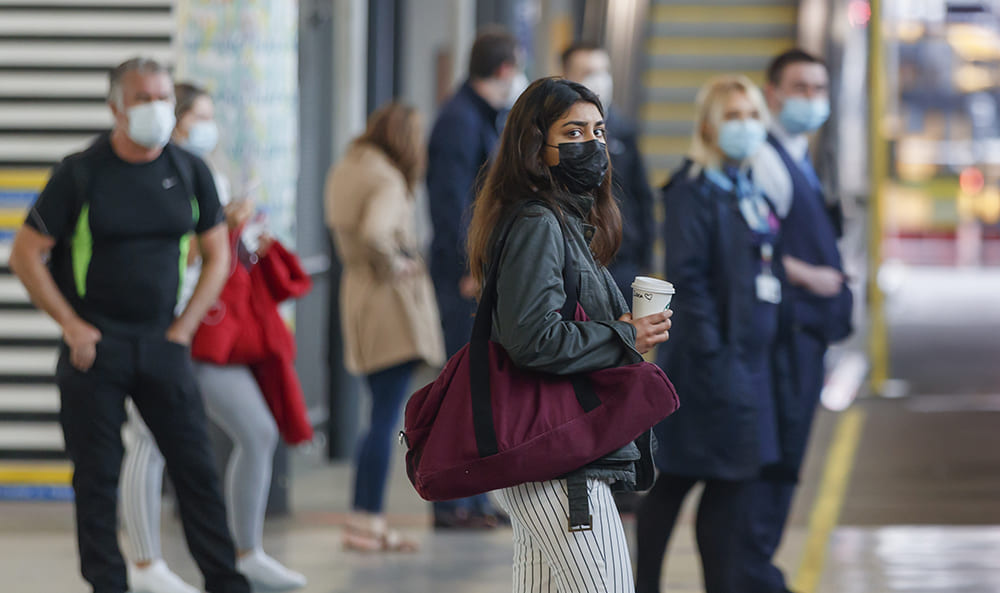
(710, 261)
(630, 186)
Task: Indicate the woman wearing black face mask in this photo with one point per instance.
(551, 178)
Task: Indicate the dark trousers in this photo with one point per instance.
(771, 498)
(719, 513)
(159, 377)
(769, 504)
(389, 392)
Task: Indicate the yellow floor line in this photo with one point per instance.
(830, 499)
(53, 474)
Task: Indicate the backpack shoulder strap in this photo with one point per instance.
(181, 161)
(81, 167)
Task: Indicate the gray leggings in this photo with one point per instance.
(234, 402)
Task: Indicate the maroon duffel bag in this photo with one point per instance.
(486, 424)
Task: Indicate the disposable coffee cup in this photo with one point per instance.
(650, 295)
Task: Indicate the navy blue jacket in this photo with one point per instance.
(462, 142)
(710, 260)
(811, 236)
(630, 186)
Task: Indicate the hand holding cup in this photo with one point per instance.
(650, 330)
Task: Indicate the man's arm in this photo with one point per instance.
(215, 261)
(644, 197)
(451, 175)
(823, 281)
(27, 262)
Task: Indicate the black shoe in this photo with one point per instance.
(463, 520)
(500, 518)
(627, 502)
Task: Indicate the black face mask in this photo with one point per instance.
(582, 165)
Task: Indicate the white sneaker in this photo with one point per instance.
(266, 573)
(156, 578)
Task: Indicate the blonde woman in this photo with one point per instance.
(389, 313)
(722, 245)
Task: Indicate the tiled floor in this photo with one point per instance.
(914, 560)
(38, 555)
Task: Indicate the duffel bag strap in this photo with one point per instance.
(580, 518)
(479, 366)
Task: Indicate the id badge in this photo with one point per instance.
(768, 289)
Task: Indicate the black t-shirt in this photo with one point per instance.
(120, 249)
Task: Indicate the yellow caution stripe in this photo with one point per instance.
(11, 219)
(707, 46)
(830, 499)
(749, 15)
(23, 179)
(60, 474)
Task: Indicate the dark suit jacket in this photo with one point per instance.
(462, 142)
(630, 186)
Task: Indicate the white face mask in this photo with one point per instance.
(202, 137)
(518, 83)
(603, 86)
(150, 124)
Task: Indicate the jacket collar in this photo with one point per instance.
(485, 109)
(580, 205)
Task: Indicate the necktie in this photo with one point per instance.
(806, 166)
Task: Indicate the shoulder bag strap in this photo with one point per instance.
(479, 360)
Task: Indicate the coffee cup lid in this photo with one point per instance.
(653, 285)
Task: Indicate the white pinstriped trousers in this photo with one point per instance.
(548, 558)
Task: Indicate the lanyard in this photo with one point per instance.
(752, 204)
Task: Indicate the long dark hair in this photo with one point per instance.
(519, 173)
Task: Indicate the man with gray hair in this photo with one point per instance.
(114, 224)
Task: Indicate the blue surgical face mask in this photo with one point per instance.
(202, 137)
(800, 115)
(150, 124)
(739, 139)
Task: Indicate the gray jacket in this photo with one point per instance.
(530, 294)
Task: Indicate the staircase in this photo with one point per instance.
(54, 59)
(689, 43)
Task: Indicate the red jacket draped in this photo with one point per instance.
(245, 328)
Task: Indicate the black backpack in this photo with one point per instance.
(82, 167)
(83, 164)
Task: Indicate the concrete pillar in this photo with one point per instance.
(350, 66)
(553, 34)
(463, 32)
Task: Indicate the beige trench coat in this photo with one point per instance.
(387, 318)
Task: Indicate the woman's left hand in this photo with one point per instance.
(650, 330)
(238, 213)
(264, 244)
